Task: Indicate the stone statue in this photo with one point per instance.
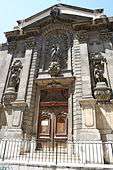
(98, 66)
(15, 73)
(55, 53)
(99, 77)
(14, 79)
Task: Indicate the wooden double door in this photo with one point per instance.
(53, 121)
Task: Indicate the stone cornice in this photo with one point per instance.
(20, 34)
(89, 26)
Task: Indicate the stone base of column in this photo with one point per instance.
(88, 135)
(11, 133)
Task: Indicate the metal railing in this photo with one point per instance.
(68, 153)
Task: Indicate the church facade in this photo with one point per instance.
(56, 89)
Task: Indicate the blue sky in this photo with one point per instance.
(13, 10)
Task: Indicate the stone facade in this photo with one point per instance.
(64, 47)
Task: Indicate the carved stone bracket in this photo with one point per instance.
(82, 36)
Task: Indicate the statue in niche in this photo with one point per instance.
(56, 50)
(13, 84)
(15, 73)
(55, 53)
(99, 63)
(99, 76)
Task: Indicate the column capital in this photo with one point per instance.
(82, 36)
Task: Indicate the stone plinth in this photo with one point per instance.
(89, 130)
(11, 133)
(18, 108)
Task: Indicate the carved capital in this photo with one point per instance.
(82, 36)
(30, 43)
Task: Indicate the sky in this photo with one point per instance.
(13, 10)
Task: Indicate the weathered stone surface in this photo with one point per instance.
(5, 60)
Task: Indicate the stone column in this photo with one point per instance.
(24, 76)
(85, 70)
(89, 131)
